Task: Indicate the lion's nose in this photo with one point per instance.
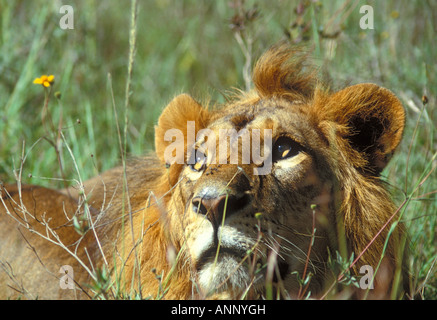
(216, 209)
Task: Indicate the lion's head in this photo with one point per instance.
(265, 189)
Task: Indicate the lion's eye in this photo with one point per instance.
(199, 161)
(284, 148)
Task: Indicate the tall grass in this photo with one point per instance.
(205, 48)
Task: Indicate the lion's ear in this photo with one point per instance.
(372, 119)
(175, 121)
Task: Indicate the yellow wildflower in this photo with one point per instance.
(394, 14)
(385, 35)
(45, 80)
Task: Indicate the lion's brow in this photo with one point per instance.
(241, 120)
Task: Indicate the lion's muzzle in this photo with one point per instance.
(217, 209)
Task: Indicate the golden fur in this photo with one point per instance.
(159, 225)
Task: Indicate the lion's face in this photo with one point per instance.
(239, 225)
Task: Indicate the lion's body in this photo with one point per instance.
(29, 264)
(227, 227)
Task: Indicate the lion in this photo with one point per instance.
(262, 197)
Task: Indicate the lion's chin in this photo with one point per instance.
(227, 274)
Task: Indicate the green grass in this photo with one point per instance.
(189, 46)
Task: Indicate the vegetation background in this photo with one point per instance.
(204, 48)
